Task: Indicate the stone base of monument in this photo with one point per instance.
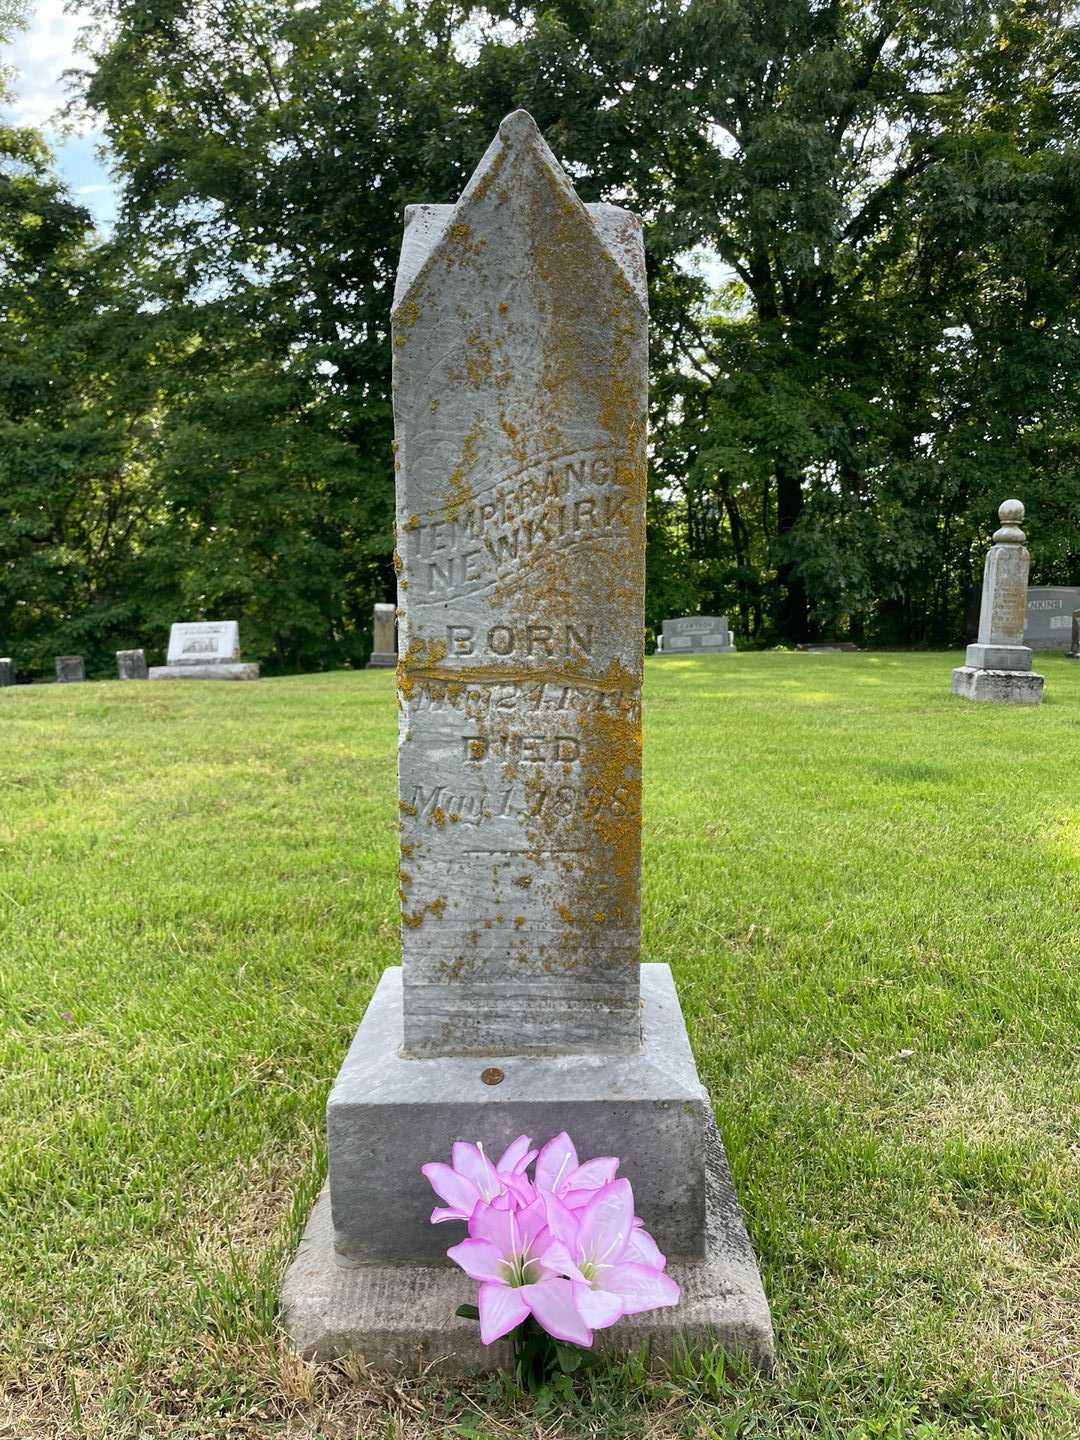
(1015, 687)
(401, 1317)
(223, 670)
(371, 1277)
(380, 660)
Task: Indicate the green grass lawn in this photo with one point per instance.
(867, 889)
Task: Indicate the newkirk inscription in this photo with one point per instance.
(520, 372)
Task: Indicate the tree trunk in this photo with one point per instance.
(794, 601)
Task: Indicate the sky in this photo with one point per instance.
(40, 56)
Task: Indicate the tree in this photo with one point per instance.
(890, 192)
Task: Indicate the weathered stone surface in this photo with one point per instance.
(204, 642)
(204, 650)
(401, 1317)
(1012, 686)
(383, 646)
(520, 374)
(69, 669)
(388, 1115)
(131, 664)
(218, 671)
(695, 633)
(1048, 618)
(7, 672)
(998, 657)
(520, 368)
(1074, 653)
(999, 651)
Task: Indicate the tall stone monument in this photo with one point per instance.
(131, 664)
(7, 672)
(70, 669)
(521, 1006)
(383, 649)
(998, 665)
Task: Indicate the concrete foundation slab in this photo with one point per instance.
(401, 1317)
(222, 671)
(1010, 686)
(388, 1115)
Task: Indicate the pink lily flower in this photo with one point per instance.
(472, 1180)
(558, 1172)
(614, 1266)
(502, 1254)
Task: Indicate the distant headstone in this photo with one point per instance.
(998, 665)
(7, 672)
(383, 649)
(1074, 652)
(829, 647)
(1048, 621)
(131, 664)
(204, 650)
(520, 334)
(697, 634)
(69, 669)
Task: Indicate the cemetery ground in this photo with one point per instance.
(866, 887)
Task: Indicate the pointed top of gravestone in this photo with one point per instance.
(519, 176)
(1011, 515)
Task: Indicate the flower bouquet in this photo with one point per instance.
(557, 1256)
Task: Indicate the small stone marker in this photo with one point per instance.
(698, 634)
(998, 665)
(383, 649)
(131, 664)
(204, 650)
(7, 672)
(1048, 620)
(520, 397)
(70, 669)
(1074, 653)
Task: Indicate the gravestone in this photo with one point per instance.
(1074, 652)
(520, 392)
(69, 669)
(697, 633)
(383, 649)
(1048, 620)
(204, 650)
(7, 672)
(998, 665)
(131, 664)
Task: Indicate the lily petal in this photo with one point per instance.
(438, 1215)
(492, 1224)
(598, 1308)
(479, 1259)
(510, 1160)
(641, 1288)
(555, 1162)
(455, 1189)
(558, 1258)
(561, 1221)
(593, 1173)
(552, 1304)
(501, 1308)
(606, 1222)
(642, 1249)
(470, 1161)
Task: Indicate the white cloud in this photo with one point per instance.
(40, 56)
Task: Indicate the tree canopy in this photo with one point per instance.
(861, 227)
